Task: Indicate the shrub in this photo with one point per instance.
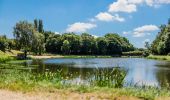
(5, 58)
(133, 53)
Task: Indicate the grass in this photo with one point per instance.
(159, 57)
(8, 55)
(26, 81)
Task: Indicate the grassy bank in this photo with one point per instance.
(7, 56)
(25, 81)
(159, 57)
(67, 56)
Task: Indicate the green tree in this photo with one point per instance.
(65, 47)
(114, 45)
(40, 27)
(3, 43)
(23, 32)
(86, 43)
(36, 24)
(161, 45)
(38, 46)
(102, 45)
(74, 40)
(54, 43)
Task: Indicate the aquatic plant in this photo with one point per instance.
(109, 77)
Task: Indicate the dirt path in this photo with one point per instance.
(62, 95)
(58, 95)
(46, 57)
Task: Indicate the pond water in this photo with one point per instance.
(140, 71)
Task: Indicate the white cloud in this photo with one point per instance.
(135, 1)
(163, 1)
(154, 3)
(129, 6)
(80, 27)
(116, 17)
(122, 6)
(144, 30)
(104, 16)
(125, 33)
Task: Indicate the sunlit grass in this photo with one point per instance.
(159, 57)
(104, 82)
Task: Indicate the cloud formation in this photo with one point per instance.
(80, 27)
(144, 30)
(122, 6)
(130, 6)
(104, 16)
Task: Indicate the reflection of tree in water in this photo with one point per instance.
(163, 78)
(69, 72)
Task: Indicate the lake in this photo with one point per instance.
(140, 71)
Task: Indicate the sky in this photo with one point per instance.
(137, 20)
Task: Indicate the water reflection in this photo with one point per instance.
(140, 71)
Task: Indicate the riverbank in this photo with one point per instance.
(66, 56)
(93, 94)
(159, 57)
(61, 95)
(28, 83)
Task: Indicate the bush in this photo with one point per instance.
(5, 58)
(133, 53)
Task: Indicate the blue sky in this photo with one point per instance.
(138, 20)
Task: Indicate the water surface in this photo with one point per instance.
(140, 71)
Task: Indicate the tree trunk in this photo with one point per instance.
(25, 54)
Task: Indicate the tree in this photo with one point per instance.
(23, 32)
(114, 44)
(36, 24)
(3, 43)
(54, 43)
(161, 48)
(38, 46)
(40, 27)
(161, 45)
(65, 47)
(169, 21)
(86, 43)
(102, 44)
(147, 45)
(74, 40)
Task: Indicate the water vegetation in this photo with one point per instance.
(159, 57)
(105, 81)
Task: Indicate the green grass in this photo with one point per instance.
(5, 58)
(159, 57)
(7, 55)
(19, 80)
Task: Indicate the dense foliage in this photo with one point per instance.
(6, 43)
(32, 37)
(71, 43)
(161, 45)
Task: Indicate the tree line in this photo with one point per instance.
(161, 45)
(31, 37)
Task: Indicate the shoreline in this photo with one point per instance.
(78, 56)
(78, 93)
(159, 57)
